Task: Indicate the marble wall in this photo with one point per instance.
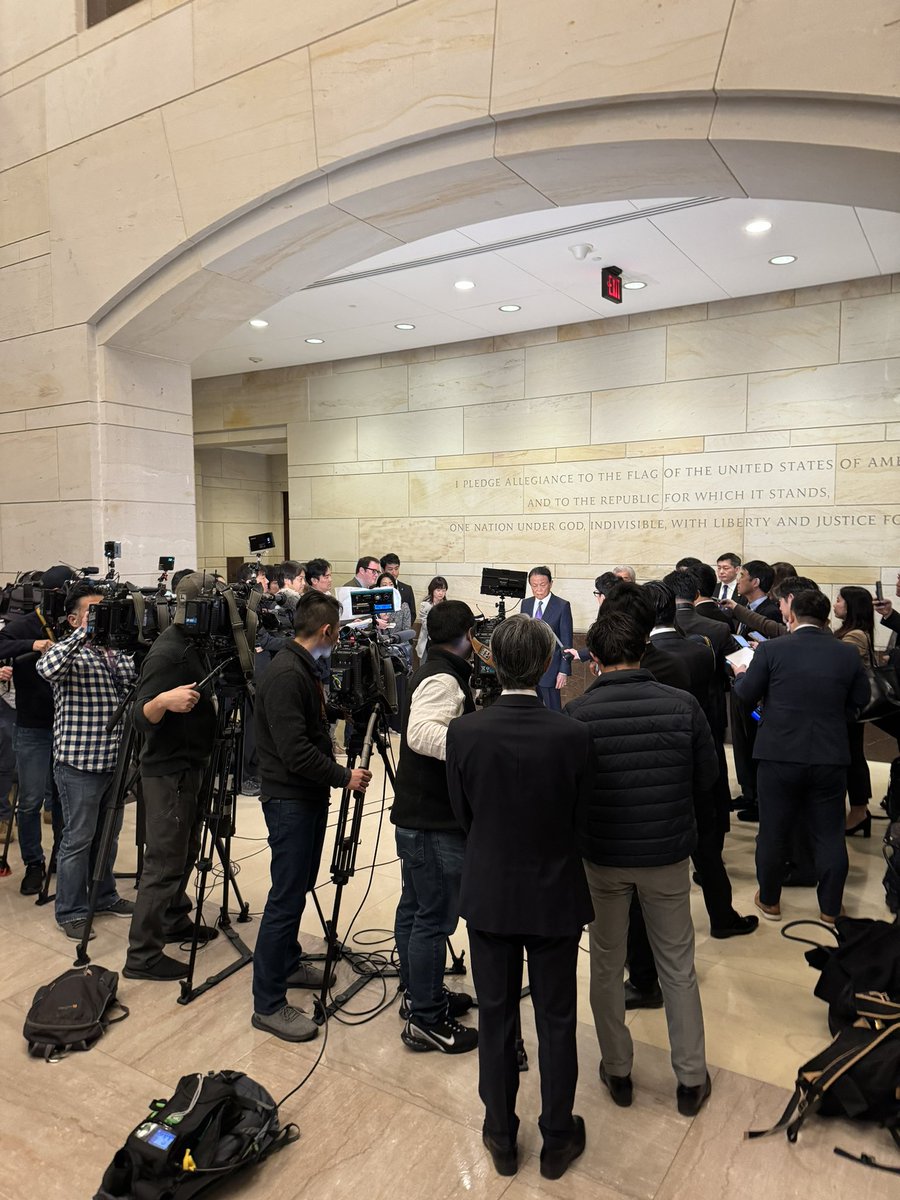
(239, 493)
(769, 426)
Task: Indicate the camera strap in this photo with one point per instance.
(46, 628)
(244, 638)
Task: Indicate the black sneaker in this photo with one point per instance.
(33, 880)
(164, 970)
(75, 930)
(458, 1003)
(447, 1035)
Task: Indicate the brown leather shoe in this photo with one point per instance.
(772, 912)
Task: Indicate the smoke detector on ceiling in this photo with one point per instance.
(581, 250)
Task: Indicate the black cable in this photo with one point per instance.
(294, 1091)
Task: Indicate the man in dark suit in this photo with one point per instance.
(754, 581)
(707, 586)
(391, 564)
(518, 776)
(556, 613)
(808, 682)
(727, 567)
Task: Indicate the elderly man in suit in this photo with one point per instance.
(518, 776)
(556, 614)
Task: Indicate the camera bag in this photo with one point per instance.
(72, 1012)
(857, 1076)
(213, 1126)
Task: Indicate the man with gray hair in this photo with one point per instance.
(518, 774)
(626, 573)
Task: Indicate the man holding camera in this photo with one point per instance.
(178, 721)
(297, 769)
(88, 684)
(430, 842)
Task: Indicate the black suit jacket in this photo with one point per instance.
(701, 666)
(712, 612)
(810, 684)
(518, 775)
(666, 668)
(407, 597)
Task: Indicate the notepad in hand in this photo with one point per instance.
(740, 658)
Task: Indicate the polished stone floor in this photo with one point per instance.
(379, 1122)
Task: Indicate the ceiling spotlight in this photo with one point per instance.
(760, 226)
(315, 341)
(510, 307)
(404, 325)
(259, 323)
(464, 285)
(581, 250)
(782, 260)
(634, 285)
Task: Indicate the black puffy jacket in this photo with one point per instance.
(653, 749)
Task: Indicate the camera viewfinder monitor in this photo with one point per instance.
(498, 581)
(166, 562)
(357, 603)
(261, 541)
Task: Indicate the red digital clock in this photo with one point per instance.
(611, 284)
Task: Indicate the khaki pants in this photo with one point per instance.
(664, 893)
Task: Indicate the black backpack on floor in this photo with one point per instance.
(865, 959)
(857, 1076)
(72, 1012)
(213, 1126)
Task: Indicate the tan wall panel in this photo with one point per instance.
(415, 539)
(357, 495)
(528, 424)
(596, 364)
(321, 442)
(325, 538)
(664, 537)
(762, 341)
(697, 406)
(832, 536)
(870, 328)
(833, 395)
(405, 435)
(750, 479)
(609, 485)
(501, 539)
(479, 379)
(443, 493)
(358, 393)
(868, 474)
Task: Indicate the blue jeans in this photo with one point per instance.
(81, 794)
(34, 757)
(7, 757)
(296, 833)
(431, 863)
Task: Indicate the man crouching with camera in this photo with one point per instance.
(297, 769)
(178, 722)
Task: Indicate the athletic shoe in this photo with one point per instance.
(309, 975)
(772, 912)
(121, 908)
(165, 970)
(75, 930)
(458, 1003)
(288, 1023)
(185, 933)
(33, 879)
(446, 1035)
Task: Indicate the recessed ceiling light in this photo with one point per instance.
(464, 285)
(259, 323)
(634, 285)
(315, 341)
(759, 226)
(404, 325)
(782, 260)
(510, 307)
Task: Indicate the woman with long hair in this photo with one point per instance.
(853, 608)
(437, 591)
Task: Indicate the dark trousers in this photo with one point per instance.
(551, 697)
(859, 782)
(497, 974)
(743, 736)
(814, 795)
(716, 888)
(172, 833)
(431, 863)
(296, 834)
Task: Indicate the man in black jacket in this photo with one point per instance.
(178, 722)
(654, 750)
(22, 641)
(809, 683)
(297, 769)
(517, 774)
(430, 842)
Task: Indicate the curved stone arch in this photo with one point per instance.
(838, 150)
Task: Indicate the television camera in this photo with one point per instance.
(365, 664)
(499, 582)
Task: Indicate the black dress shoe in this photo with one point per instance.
(749, 814)
(619, 1086)
(555, 1163)
(691, 1099)
(165, 969)
(505, 1158)
(739, 926)
(638, 999)
(206, 933)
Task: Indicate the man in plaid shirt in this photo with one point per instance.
(88, 682)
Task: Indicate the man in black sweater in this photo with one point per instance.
(297, 769)
(178, 722)
(430, 842)
(637, 832)
(22, 641)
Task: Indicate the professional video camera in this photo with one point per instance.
(501, 583)
(28, 592)
(365, 663)
(129, 618)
